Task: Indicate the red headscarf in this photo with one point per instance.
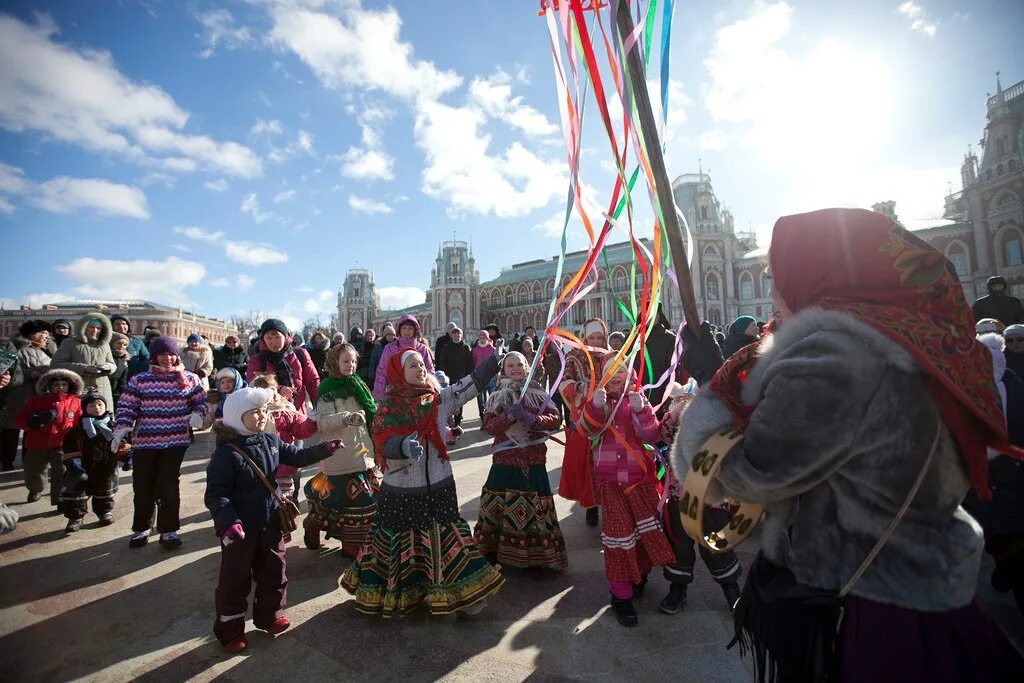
(406, 408)
(863, 264)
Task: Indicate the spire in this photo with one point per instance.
(999, 86)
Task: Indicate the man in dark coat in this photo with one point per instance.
(443, 339)
(660, 344)
(455, 359)
(998, 304)
(231, 355)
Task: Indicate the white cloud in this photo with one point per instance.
(69, 195)
(918, 20)
(712, 140)
(400, 297)
(220, 282)
(359, 49)
(254, 254)
(365, 205)
(219, 185)
(305, 142)
(285, 196)
(245, 282)
(320, 303)
(198, 234)
(219, 29)
(159, 281)
(494, 95)
(367, 164)
(34, 300)
(830, 98)
(251, 206)
(12, 179)
(80, 97)
(6, 207)
(261, 127)
(371, 120)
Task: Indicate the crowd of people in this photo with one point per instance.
(880, 424)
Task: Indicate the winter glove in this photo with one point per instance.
(636, 401)
(519, 413)
(411, 448)
(334, 445)
(600, 398)
(195, 421)
(234, 533)
(107, 368)
(8, 519)
(41, 419)
(701, 357)
(356, 419)
(119, 434)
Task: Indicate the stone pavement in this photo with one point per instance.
(87, 607)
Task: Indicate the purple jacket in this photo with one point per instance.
(380, 382)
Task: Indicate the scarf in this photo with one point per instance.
(178, 369)
(333, 388)
(279, 359)
(97, 425)
(406, 408)
(863, 264)
(507, 393)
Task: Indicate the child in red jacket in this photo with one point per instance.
(46, 419)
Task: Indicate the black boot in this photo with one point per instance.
(732, 594)
(73, 526)
(592, 516)
(675, 600)
(639, 588)
(625, 613)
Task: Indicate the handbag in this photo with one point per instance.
(287, 511)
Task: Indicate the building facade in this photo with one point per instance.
(171, 321)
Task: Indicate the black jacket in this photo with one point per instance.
(17, 374)
(455, 359)
(1006, 309)
(441, 342)
(236, 358)
(234, 493)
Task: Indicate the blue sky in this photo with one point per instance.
(234, 156)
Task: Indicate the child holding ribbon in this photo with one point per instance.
(518, 478)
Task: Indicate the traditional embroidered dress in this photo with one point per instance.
(518, 524)
(577, 482)
(420, 552)
(343, 495)
(626, 480)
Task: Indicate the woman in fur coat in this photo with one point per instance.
(87, 353)
(866, 417)
(197, 357)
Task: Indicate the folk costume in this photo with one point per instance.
(518, 525)
(343, 495)
(866, 418)
(577, 480)
(420, 552)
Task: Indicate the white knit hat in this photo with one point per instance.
(242, 401)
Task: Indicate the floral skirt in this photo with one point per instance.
(343, 505)
(436, 565)
(631, 534)
(517, 521)
(577, 481)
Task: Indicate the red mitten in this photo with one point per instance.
(234, 533)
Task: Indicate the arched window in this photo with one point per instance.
(956, 252)
(711, 251)
(1000, 170)
(1012, 252)
(746, 286)
(523, 295)
(509, 302)
(1001, 147)
(536, 294)
(766, 285)
(509, 324)
(711, 287)
(703, 213)
(549, 290)
(619, 281)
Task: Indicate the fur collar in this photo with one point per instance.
(106, 329)
(75, 384)
(812, 320)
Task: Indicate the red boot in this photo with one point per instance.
(236, 645)
(311, 536)
(278, 627)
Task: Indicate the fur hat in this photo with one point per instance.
(91, 396)
(117, 336)
(297, 339)
(194, 338)
(30, 327)
(163, 345)
(273, 324)
(242, 401)
(1013, 332)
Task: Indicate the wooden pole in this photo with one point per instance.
(663, 187)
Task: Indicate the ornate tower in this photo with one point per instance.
(358, 301)
(454, 287)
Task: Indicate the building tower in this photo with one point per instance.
(358, 301)
(454, 287)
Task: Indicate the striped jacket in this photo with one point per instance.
(159, 409)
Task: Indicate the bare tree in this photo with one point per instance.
(311, 325)
(248, 323)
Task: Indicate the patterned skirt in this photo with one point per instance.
(577, 482)
(343, 505)
(517, 519)
(632, 536)
(435, 563)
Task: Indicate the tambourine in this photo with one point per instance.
(704, 468)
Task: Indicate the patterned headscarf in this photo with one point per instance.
(508, 390)
(406, 408)
(339, 387)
